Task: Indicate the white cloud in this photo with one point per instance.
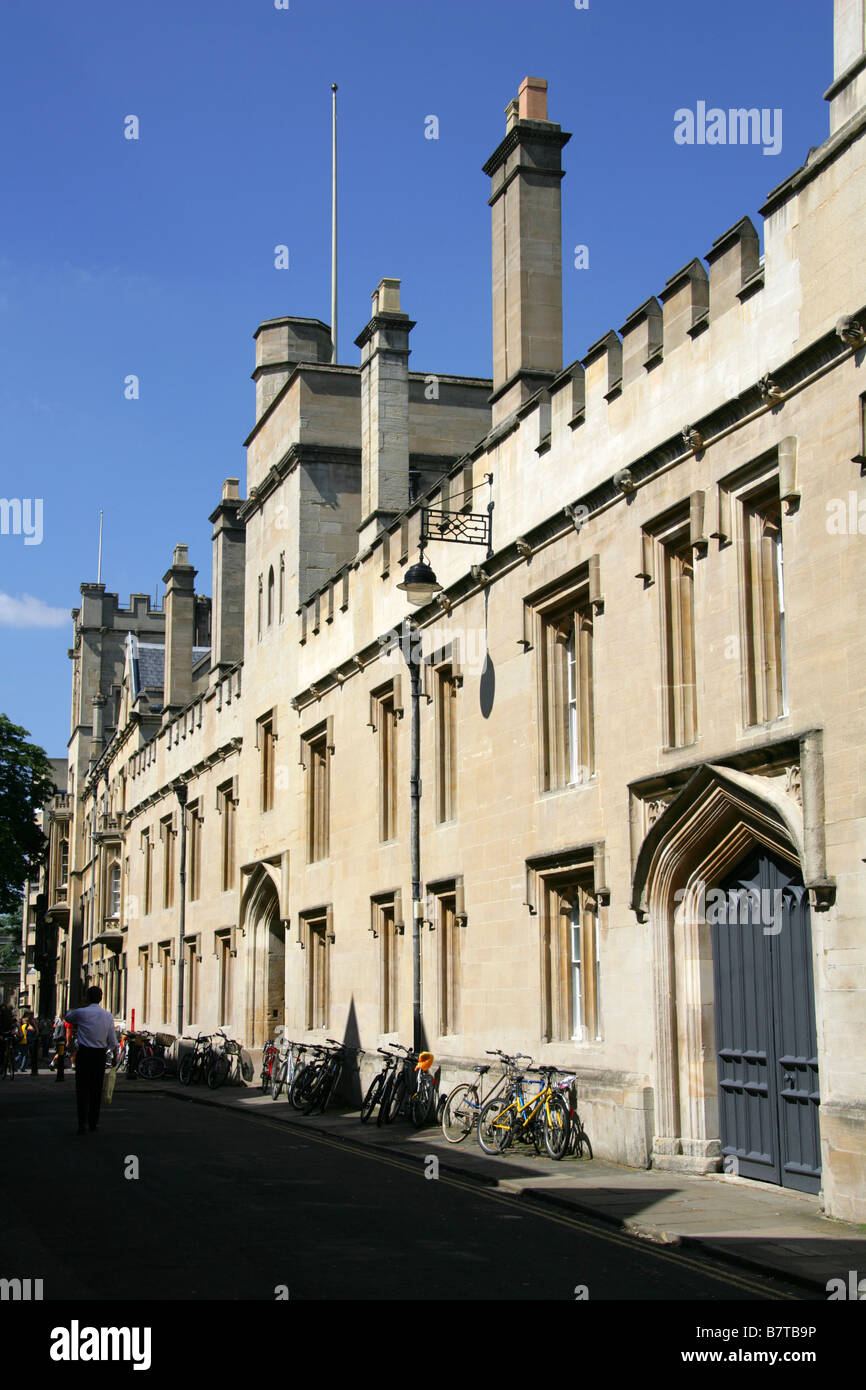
(28, 611)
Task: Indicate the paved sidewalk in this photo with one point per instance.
(750, 1224)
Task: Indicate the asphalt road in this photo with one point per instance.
(229, 1207)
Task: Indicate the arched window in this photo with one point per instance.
(270, 595)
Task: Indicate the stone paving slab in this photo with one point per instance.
(771, 1230)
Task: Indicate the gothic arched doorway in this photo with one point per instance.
(265, 953)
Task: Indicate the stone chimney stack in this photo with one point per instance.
(384, 345)
(280, 345)
(179, 631)
(97, 741)
(229, 546)
(526, 207)
(847, 95)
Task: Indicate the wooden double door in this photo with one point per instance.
(766, 1041)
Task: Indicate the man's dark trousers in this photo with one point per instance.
(89, 1077)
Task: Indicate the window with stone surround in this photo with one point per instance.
(679, 687)
(266, 734)
(271, 596)
(560, 623)
(387, 928)
(447, 916)
(192, 957)
(147, 870)
(167, 835)
(144, 967)
(317, 935)
(227, 805)
(114, 890)
(196, 823)
(316, 749)
(762, 605)
(564, 891)
(225, 953)
(446, 682)
(167, 973)
(386, 708)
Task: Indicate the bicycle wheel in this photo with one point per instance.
(184, 1071)
(302, 1085)
(494, 1126)
(328, 1089)
(372, 1098)
(269, 1067)
(423, 1102)
(278, 1076)
(580, 1142)
(461, 1108)
(385, 1101)
(557, 1126)
(217, 1072)
(151, 1068)
(395, 1101)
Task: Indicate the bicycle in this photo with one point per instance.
(464, 1102)
(327, 1081)
(543, 1116)
(412, 1089)
(228, 1062)
(377, 1086)
(269, 1059)
(285, 1067)
(578, 1141)
(151, 1059)
(194, 1065)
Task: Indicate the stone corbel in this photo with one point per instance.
(789, 493)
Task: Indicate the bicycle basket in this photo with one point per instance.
(165, 1039)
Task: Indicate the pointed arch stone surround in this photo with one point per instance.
(702, 833)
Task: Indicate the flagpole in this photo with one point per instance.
(333, 222)
(99, 560)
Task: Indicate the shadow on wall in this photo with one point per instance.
(350, 1082)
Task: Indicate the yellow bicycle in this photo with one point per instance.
(539, 1118)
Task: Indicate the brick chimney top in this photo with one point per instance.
(532, 99)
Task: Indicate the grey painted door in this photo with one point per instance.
(766, 1040)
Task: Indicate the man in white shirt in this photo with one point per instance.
(94, 1031)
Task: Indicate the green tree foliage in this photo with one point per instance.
(26, 784)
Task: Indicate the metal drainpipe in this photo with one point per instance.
(414, 664)
(181, 792)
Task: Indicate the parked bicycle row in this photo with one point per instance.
(308, 1073)
(214, 1059)
(142, 1053)
(525, 1104)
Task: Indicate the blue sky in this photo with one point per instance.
(155, 257)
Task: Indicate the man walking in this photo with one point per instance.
(95, 1034)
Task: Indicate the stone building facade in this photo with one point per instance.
(642, 711)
